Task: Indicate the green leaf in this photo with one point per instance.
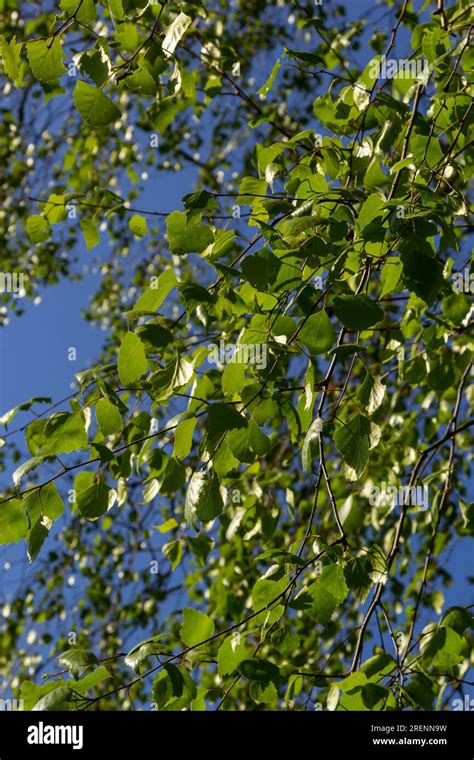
(249, 188)
(261, 269)
(178, 683)
(196, 627)
(312, 435)
(155, 338)
(59, 699)
(38, 228)
(174, 33)
(352, 441)
(204, 498)
(116, 10)
(44, 502)
(371, 394)
(376, 697)
(221, 418)
(176, 374)
(142, 651)
(333, 581)
(11, 57)
(377, 564)
(231, 653)
(85, 11)
(94, 107)
(455, 308)
(126, 35)
(223, 460)
(233, 378)
(168, 525)
(256, 669)
(138, 226)
(265, 89)
(142, 82)
(108, 417)
(371, 209)
(31, 693)
(174, 477)
(318, 334)
(194, 295)
(422, 690)
(37, 536)
(357, 312)
(77, 661)
(63, 433)
(173, 552)
(156, 293)
(91, 233)
(422, 273)
(187, 235)
(25, 468)
(34, 696)
(62, 697)
(183, 437)
(13, 522)
(267, 155)
(95, 64)
(94, 501)
(371, 672)
(54, 209)
(88, 682)
(248, 443)
(6, 418)
(329, 591)
(457, 618)
(132, 362)
(443, 649)
(265, 593)
(46, 59)
(356, 573)
(391, 275)
(285, 641)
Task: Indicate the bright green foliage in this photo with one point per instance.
(95, 108)
(196, 627)
(94, 501)
(230, 655)
(91, 233)
(187, 235)
(251, 500)
(13, 522)
(132, 363)
(46, 59)
(138, 225)
(108, 416)
(38, 228)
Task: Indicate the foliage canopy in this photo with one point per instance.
(261, 478)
